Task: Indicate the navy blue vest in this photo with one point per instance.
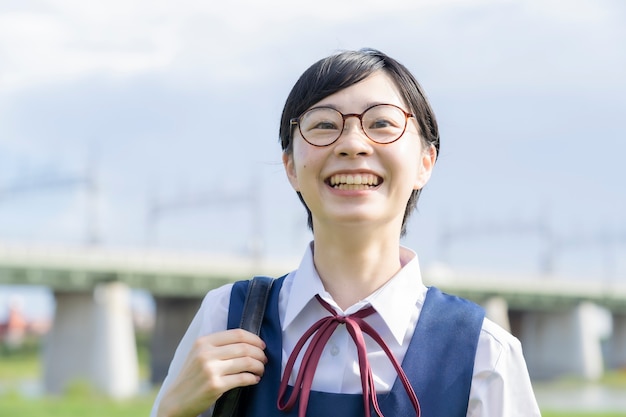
(439, 362)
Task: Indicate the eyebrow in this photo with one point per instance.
(367, 106)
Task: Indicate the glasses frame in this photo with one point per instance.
(296, 121)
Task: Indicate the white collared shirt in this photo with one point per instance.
(500, 383)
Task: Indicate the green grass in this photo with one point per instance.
(573, 414)
(73, 406)
(94, 406)
(20, 364)
(80, 400)
(614, 379)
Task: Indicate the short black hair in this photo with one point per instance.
(344, 69)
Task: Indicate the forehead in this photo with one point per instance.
(378, 88)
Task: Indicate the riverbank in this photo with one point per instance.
(574, 395)
(21, 394)
(80, 403)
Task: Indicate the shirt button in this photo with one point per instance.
(334, 350)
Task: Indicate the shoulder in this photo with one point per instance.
(495, 345)
(214, 310)
(213, 313)
(501, 385)
(500, 374)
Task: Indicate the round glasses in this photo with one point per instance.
(382, 123)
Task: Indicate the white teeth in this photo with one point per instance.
(342, 180)
(352, 186)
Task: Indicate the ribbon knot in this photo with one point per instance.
(319, 333)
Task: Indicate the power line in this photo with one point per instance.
(250, 199)
(555, 245)
(33, 185)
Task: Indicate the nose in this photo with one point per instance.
(353, 141)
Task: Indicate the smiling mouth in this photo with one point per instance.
(354, 181)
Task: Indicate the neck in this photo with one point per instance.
(353, 264)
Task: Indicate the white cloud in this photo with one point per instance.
(141, 77)
(571, 11)
(65, 39)
(38, 47)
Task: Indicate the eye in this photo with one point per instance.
(321, 119)
(382, 123)
(383, 120)
(324, 124)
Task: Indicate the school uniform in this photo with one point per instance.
(498, 381)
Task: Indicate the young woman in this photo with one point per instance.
(353, 331)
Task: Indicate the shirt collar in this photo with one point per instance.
(306, 284)
(394, 301)
(397, 299)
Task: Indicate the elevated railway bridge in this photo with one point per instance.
(93, 337)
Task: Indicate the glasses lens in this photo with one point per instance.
(321, 126)
(384, 123)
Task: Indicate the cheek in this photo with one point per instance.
(305, 172)
(303, 159)
(406, 162)
(408, 155)
(297, 154)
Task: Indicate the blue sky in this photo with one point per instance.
(180, 102)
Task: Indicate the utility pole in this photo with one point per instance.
(473, 229)
(554, 245)
(606, 240)
(87, 181)
(250, 198)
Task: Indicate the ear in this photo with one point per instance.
(290, 169)
(427, 162)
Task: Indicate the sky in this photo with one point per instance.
(154, 124)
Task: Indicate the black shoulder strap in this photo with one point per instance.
(251, 319)
(256, 301)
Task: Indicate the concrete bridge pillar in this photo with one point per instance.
(114, 362)
(173, 315)
(67, 347)
(559, 343)
(617, 344)
(92, 339)
(497, 310)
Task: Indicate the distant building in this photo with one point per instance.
(16, 326)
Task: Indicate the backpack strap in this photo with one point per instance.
(252, 316)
